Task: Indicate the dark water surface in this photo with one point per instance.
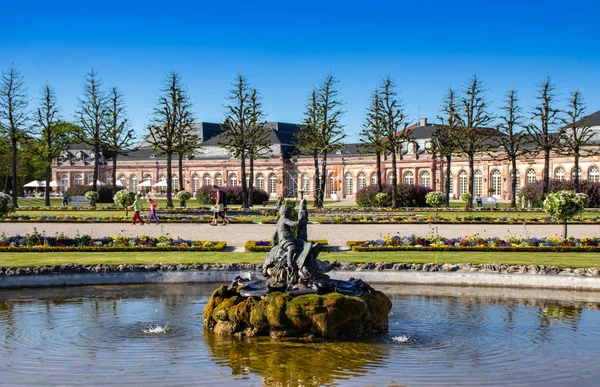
(438, 336)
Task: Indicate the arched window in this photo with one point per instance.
(148, 181)
(573, 171)
(195, 184)
(174, 183)
(425, 178)
(260, 182)
(463, 183)
(593, 174)
(64, 180)
(390, 178)
(443, 188)
(362, 180)
(233, 180)
(559, 173)
(292, 182)
(305, 183)
(409, 178)
(332, 189)
(206, 180)
(478, 177)
(530, 176)
(348, 182)
(163, 187)
(219, 179)
(90, 179)
(496, 182)
(122, 181)
(374, 178)
(518, 176)
(272, 184)
(108, 179)
(133, 182)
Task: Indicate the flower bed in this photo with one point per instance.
(60, 242)
(476, 243)
(116, 219)
(265, 246)
(419, 219)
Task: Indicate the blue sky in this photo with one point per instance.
(286, 48)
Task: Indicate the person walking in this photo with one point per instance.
(137, 207)
(220, 199)
(152, 211)
(65, 202)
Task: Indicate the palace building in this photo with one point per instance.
(283, 172)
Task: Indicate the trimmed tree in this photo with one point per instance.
(124, 198)
(183, 197)
(546, 136)
(92, 196)
(13, 118)
(259, 144)
(91, 116)
(6, 206)
(119, 137)
(435, 200)
(564, 206)
(372, 134)
(443, 142)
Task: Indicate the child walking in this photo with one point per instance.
(137, 207)
(152, 211)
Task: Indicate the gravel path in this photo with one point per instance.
(237, 234)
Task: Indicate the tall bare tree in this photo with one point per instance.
(546, 136)
(119, 137)
(321, 131)
(91, 117)
(53, 135)
(373, 133)
(513, 141)
(14, 117)
(577, 135)
(394, 126)
(443, 138)
(236, 127)
(472, 135)
(259, 143)
(187, 138)
(164, 128)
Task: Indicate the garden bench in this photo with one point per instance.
(78, 199)
(485, 200)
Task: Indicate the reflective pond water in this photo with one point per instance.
(438, 336)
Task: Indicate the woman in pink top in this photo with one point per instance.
(152, 211)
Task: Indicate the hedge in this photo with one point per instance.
(265, 246)
(217, 246)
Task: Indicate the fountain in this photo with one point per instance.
(296, 298)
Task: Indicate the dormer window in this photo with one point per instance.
(153, 156)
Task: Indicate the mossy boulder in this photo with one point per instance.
(281, 315)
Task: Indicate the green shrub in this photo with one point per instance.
(124, 198)
(92, 196)
(435, 200)
(6, 206)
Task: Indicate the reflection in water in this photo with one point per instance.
(294, 362)
(456, 336)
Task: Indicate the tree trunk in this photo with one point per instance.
(513, 200)
(181, 179)
(14, 171)
(546, 171)
(323, 180)
(447, 180)
(47, 187)
(576, 178)
(378, 165)
(251, 183)
(471, 180)
(243, 177)
(317, 182)
(114, 174)
(394, 181)
(96, 166)
(169, 180)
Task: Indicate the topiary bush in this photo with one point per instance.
(564, 206)
(6, 205)
(124, 198)
(435, 200)
(183, 197)
(92, 196)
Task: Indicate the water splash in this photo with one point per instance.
(157, 329)
(401, 339)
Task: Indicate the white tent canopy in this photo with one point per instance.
(162, 183)
(98, 183)
(53, 183)
(34, 184)
(147, 183)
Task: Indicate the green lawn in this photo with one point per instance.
(573, 260)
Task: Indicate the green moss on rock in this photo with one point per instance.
(281, 315)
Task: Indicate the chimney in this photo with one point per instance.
(422, 121)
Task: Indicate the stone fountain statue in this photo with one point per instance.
(292, 270)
